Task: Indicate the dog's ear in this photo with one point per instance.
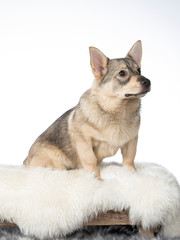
(98, 62)
(136, 53)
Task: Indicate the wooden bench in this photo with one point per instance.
(107, 219)
(119, 218)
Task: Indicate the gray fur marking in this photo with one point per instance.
(115, 64)
(58, 135)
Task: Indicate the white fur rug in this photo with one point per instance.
(48, 203)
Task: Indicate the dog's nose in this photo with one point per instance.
(145, 82)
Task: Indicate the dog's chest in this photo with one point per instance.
(108, 141)
(119, 134)
(120, 127)
(120, 130)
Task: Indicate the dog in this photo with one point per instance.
(106, 119)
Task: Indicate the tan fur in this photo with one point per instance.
(104, 121)
(105, 138)
(46, 155)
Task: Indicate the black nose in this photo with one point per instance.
(145, 82)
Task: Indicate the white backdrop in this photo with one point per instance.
(44, 68)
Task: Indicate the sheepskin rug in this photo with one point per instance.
(46, 203)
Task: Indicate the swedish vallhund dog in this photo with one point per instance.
(106, 118)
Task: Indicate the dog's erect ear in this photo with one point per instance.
(136, 53)
(98, 62)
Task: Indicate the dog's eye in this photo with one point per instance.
(122, 73)
(139, 70)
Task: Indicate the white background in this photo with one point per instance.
(44, 68)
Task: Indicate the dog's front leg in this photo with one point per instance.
(128, 152)
(87, 157)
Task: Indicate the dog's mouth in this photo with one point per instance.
(141, 94)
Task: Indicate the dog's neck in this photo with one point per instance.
(113, 105)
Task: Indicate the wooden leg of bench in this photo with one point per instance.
(146, 233)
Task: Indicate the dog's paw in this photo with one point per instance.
(130, 167)
(100, 179)
(97, 176)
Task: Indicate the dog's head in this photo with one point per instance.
(120, 78)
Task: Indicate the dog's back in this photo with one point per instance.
(54, 143)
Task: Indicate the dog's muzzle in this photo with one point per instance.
(145, 83)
